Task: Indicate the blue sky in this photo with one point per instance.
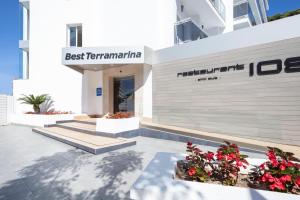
(9, 38)
(10, 35)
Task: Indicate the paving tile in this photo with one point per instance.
(46, 169)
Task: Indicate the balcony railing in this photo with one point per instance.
(243, 10)
(220, 7)
(186, 31)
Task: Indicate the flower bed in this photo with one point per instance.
(118, 115)
(117, 125)
(157, 182)
(50, 113)
(280, 173)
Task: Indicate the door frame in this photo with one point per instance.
(113, 92)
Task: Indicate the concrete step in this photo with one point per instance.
(91, 121)
(91, 143)
(83, 128)
(78, 126)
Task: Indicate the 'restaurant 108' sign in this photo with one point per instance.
(268, 67)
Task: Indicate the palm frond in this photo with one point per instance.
(35, 101)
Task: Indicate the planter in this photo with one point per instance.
(117, 125)
(157, 182)
(39, 119)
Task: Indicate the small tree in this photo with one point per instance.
(35, 101)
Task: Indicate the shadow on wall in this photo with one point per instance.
(47, 106)
(73, 175)
(256, 196)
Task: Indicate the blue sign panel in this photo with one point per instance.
(99, 92)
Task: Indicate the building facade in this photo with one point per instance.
(125, 26)
(177, 62)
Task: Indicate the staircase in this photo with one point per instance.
(82, 134)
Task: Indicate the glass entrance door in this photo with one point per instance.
(124, 94)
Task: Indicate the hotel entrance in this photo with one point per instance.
(123, 94)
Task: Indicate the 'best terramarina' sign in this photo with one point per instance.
(101, 56)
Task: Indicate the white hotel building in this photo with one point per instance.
(99, 56)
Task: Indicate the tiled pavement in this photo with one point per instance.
(33, 166)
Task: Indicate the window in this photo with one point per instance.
(74, 35)
(241, 10)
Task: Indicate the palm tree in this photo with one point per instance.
(35, 101)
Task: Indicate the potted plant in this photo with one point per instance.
(35, 101)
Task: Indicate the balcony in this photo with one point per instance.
(243, 16)
(220, 7)
(24, 45)
(186, 31)
(209, 14)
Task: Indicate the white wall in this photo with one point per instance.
(125, 23)
(91, 103)
(105, 23)
(6, 109)
(229, 16)
(261, 34)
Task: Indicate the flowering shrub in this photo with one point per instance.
(279, 173)
(229, 163)
(50, 113)
(199, 164)
(203, 166)
(56, 113)
(118, 115)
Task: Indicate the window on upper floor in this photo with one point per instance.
(74, 35)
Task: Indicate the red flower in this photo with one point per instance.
(209, 173)
(262, 166)
(274, 163)
(271, 155)
(278, 184)
(264, 178)
(268, 177)
(189, 143)
(290, 164)
(192, 171)
(282, 167)
(233, 156)
(239, 163)
(297, 181)
(209, 156)
(219, 156)
(286, 178)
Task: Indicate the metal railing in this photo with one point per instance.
(186, 31)
(243, 10)
(220, 8)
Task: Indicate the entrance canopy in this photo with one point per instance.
(97, 58)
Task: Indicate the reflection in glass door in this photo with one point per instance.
(124, 94)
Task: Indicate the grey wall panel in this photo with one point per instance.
(259, 107)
